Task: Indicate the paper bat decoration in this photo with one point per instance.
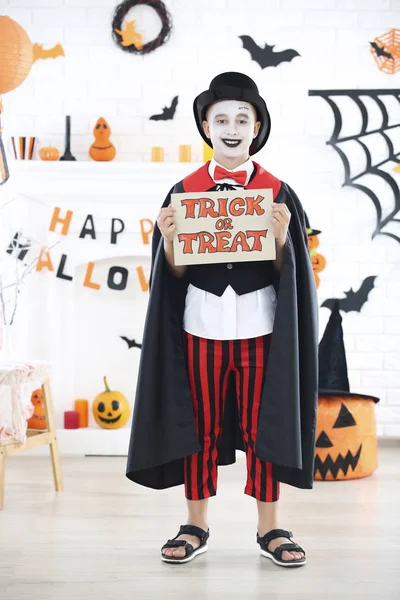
(131, 343)
(380, 51)
(40, 52)
(354, 301)
(266, 57)
(167, 113)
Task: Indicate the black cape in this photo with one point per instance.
(163, 425)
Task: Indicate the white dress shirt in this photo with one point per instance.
(230, 316)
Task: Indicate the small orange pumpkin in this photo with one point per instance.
(38, 419)
(49, 153)
(111, 409)
(102, 149)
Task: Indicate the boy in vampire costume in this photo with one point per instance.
(229, 355)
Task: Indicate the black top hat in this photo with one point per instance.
(333, 379)
(233, 86)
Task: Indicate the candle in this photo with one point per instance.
(82, 408)
(185, 153)
(157, 154)
(67, 154)
(71, 419)
(208, 152)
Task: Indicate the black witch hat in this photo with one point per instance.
(233, 86)
(333, 379)
(310, 230)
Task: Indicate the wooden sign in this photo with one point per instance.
(225, 226)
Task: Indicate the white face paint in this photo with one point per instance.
(231, 126)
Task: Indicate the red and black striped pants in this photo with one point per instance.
(209, 364)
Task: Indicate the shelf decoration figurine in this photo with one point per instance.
(38, 419)
(102, 149)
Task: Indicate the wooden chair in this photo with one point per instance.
(34, 440)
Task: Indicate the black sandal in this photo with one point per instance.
(190, 552)
(276, 555)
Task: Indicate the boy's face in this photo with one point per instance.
(231, 125)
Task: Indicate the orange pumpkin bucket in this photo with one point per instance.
(346, 446)
(346, 441)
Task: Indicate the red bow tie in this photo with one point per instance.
(239, 176)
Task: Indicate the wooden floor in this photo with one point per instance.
(100, 538)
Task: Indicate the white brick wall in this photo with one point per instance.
(332, 36)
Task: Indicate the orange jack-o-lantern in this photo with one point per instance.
(38, 419)
(111, 409)
(346, 442)
(102, 148)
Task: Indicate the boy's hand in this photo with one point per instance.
(280, 219)
(166, 224)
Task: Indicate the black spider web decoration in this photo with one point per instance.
(387, 220)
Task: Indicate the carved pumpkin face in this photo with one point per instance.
(346, 443)
(38, 419)
(111, 409)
